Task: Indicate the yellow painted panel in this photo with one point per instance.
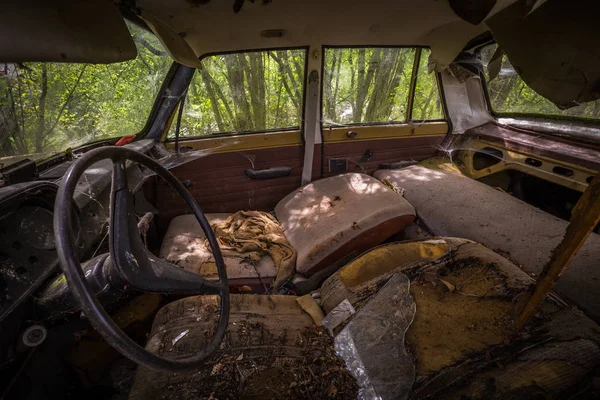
(384, 259)
(440, 164)
(252, 141)
(513, 160)
(340, 134)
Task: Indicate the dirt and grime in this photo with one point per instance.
(462, 308)
(315, 373)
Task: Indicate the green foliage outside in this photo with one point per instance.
(48, 107)
(428, 101)
(371, 85)
(264, 90)
(510, 95)
(245, 92)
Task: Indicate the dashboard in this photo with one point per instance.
(27, 247)
(28, 256)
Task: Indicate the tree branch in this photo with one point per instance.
(69, 97)
(149, 47)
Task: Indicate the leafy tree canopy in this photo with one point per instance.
(48, 107)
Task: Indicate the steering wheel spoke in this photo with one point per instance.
(136, 266)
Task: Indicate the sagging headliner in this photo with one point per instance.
(553, 45)
(215, 27)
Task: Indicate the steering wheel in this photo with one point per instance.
(135, 266)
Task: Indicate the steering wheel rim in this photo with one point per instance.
(84, 295)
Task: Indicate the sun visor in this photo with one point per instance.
(175, 44)
(555, 48)
(90, 31)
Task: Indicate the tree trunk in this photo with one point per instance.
(337, 84)
(219, 93)
(427, 102)
(255, 71)
(378, 103)
(287, 78)
(364, 81)
(212, 96)
(235, 73)
(396, 81)
(41, 121)
(360, 77)
(329, 99)
(277, 110)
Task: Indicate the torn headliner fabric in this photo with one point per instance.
(555, 48)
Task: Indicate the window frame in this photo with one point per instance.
(230, 134)
(411, 91)
(527, 116)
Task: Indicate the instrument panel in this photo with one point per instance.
(27, 246)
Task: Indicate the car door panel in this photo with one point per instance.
(366, 147)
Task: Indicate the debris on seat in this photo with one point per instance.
(462, 337)
(272, 351)
(450, 204)
(364, 275)
(185, 245)
(253, 234)
(310, 305)
(372, 344)
(393, 187)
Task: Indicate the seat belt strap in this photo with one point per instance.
(310, 125)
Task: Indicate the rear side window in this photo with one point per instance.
(509, 95)
(254, 91)
(427, 103)
(373, 86)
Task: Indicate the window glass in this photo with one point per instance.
(245, 92)
(48, 107)
(427, 103)
(510, 95)
(366, 85)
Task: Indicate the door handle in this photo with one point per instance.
(269, 173)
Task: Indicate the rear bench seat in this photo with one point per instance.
(454, 205)
(324, 221)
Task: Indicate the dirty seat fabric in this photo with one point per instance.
(332, 217)
(270, 346)
(465, 298)
(454, 205)
(185, 246)
(250, 235)
(323, 221)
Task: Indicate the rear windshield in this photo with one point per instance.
(509, 95)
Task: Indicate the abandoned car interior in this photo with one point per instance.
(277, 199)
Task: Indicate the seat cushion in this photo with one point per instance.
(270, 343)
(454, 205)
(184, 245)
(332, 217)
(463, 324)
